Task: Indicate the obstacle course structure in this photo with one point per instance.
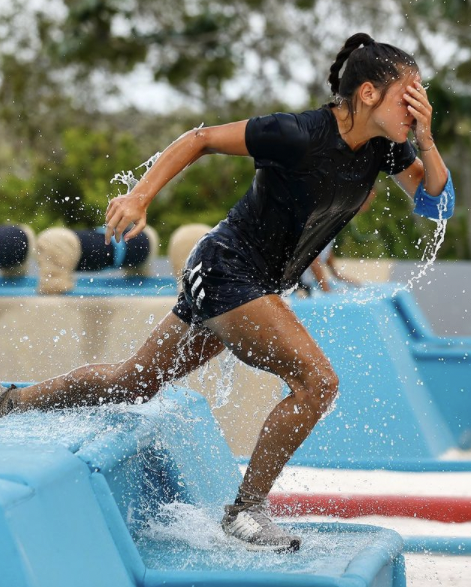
(96, 496)
(405, 394)
(81, 491)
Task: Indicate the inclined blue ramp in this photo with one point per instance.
(446, 371)
(385, 412)
(81, 492)
(444, 363)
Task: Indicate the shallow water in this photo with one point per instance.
(69, 428)
(186, 538)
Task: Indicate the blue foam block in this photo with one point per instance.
(183, 450)
(50, 523)
(73, 486)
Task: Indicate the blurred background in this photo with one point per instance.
(93, 88)
(89, 88)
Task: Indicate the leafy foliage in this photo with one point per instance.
(58, 65)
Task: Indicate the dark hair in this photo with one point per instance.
(366, 61)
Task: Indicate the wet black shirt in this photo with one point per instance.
(308, 185)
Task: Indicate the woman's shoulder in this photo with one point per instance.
(287, 137)
(319, 119)
(312, 126)
(292, 122)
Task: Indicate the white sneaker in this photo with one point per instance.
(254, 528)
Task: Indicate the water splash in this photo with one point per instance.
(184, 537)
(67, 427)
(195, 527)
(225, 385)
(429, 255)
(128, 179)
(428, 258)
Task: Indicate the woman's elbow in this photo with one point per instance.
(197, 142)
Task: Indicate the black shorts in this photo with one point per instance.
(220, 275)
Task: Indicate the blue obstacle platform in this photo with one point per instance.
(444, 363)
(80, 490)
(405, 394)
(96, 285)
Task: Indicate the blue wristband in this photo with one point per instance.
(435, 207)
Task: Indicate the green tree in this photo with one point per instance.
(59, 63)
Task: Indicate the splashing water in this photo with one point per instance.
(128, 179)
(227, 363)
(429, 256)
(68, 427)
(225, 385)
(195, 526)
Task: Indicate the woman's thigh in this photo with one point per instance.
(265, 333)
(172, 350)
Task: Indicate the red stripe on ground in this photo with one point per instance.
(441, 509)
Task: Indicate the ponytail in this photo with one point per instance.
(351, 44)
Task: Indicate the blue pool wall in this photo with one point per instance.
(405, 394)
(98, 284)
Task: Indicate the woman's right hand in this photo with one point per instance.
(123, 211)
(131, 208)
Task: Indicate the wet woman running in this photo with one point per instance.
(314, 171)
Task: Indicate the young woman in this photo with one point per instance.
(313, 173)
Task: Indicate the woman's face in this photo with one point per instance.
(392, 117)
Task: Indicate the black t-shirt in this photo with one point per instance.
(308, 185)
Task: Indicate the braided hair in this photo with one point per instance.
(365, 60)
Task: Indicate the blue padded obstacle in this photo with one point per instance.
(132, 496)
(444, 363)
(405, 394)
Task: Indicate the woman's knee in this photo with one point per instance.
(317, 388)
(329, 387)
(134, 382)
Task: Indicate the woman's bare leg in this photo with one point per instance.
(172, 350)
(266, 334)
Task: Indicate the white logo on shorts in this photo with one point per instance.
(195, 282)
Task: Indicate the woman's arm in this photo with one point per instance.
(430, 168)
(228, 139)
